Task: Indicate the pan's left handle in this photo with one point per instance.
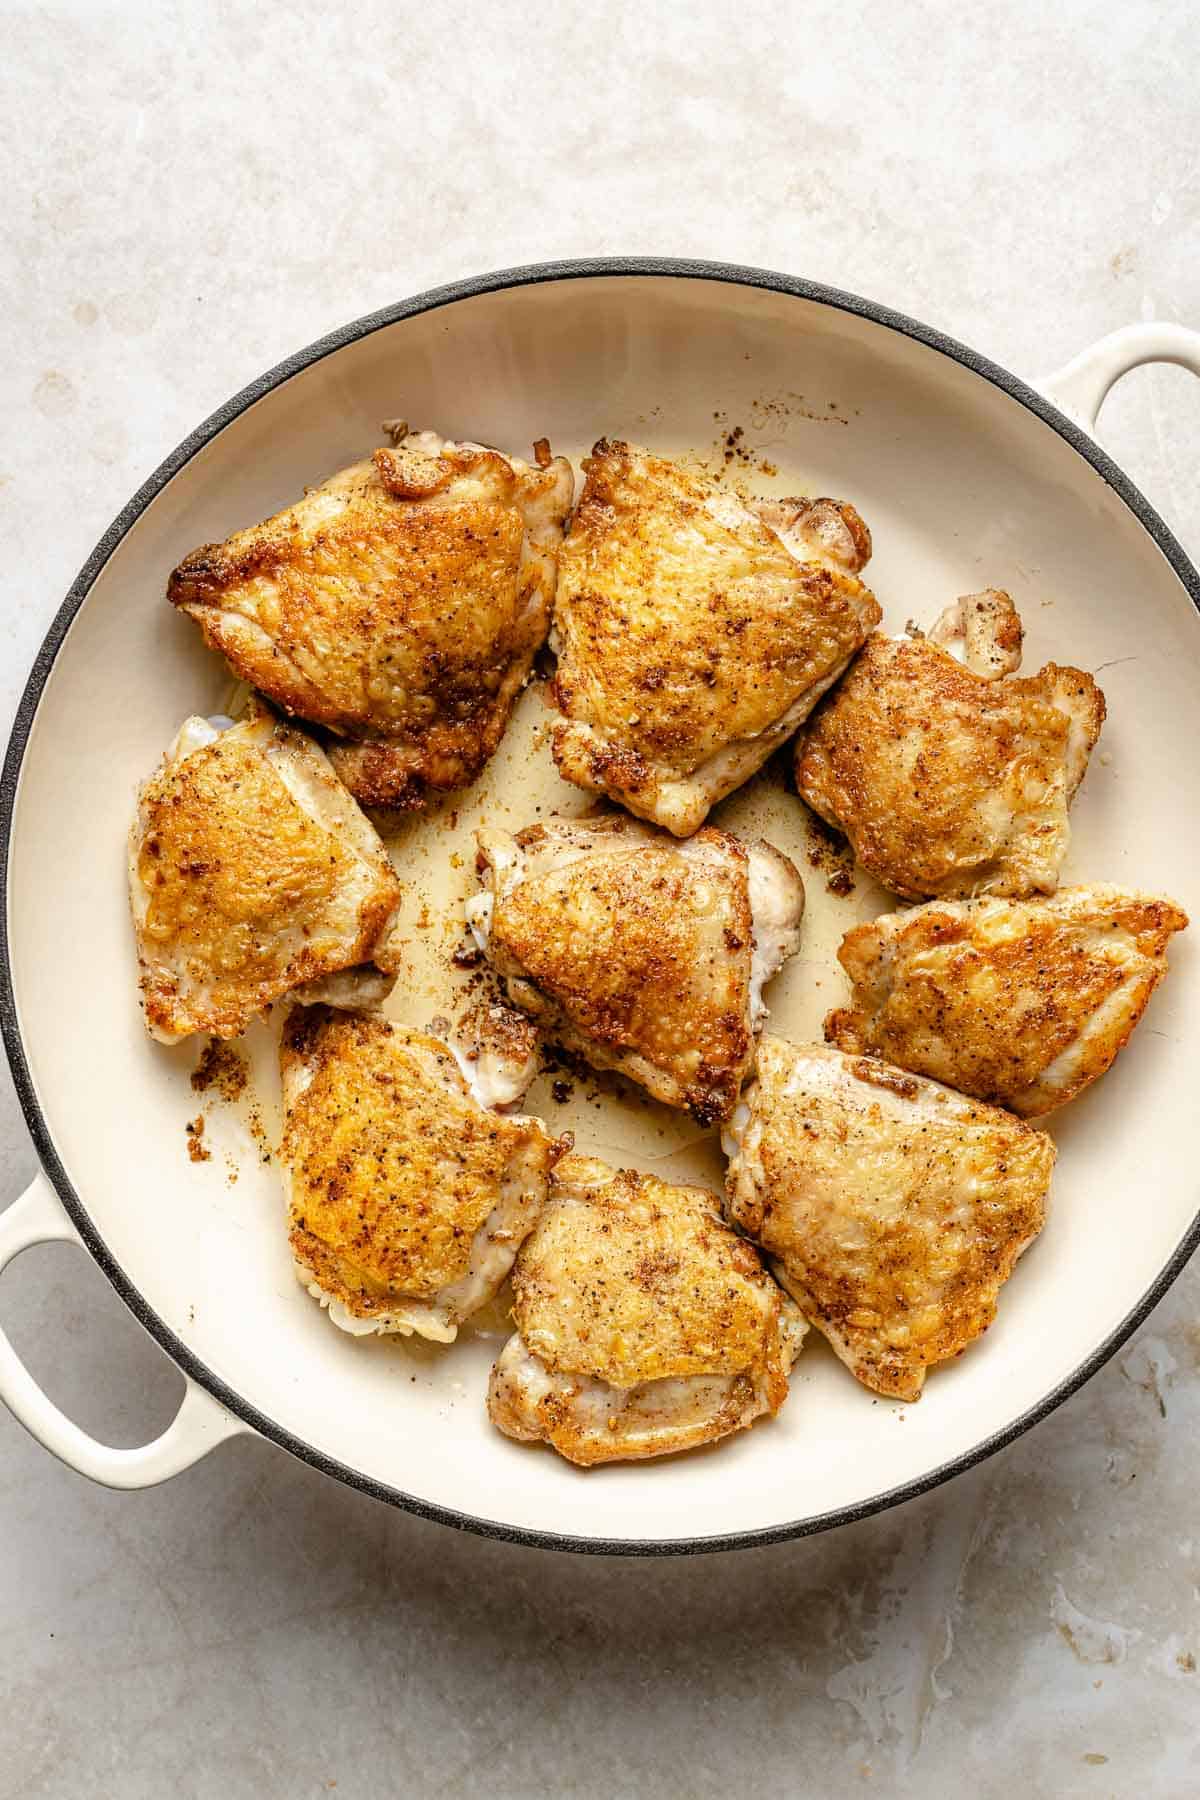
(198, 1427)
(1081, 388)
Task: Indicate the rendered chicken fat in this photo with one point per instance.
(983, 632)
(497, 1051)
(775, 904)
(478, 910)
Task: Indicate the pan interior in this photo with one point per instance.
(962, 488)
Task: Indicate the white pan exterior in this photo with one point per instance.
(963, 487)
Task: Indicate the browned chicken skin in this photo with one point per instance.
(399, 606)
(694, 632)
(640, 953)
(1022, 1003)
(953, 780)
(253, 874)
(893, 1207)
(408, 1198)
(644, 1326)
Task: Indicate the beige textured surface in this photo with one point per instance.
(191, 194)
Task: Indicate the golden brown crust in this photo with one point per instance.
(412, 474)
(401, 777)
(896, 1208)
(629, 1279)
(394, 1167)
(399, 606)
(489, 1029)
(636, 953)
(242, 893)
(948, 784)
(376, 586)
(685, 626)
(644, 1326)
(1019, 1003)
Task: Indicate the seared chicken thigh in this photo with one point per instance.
(408, 1198)
(695, 632)
(253, 874)
(952, 779)
(893, 1207)
(1019, 1002)
(399, 605)
(644, 1325)
(640, 953)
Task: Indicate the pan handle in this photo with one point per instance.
(1080, 389)
(198, 1427)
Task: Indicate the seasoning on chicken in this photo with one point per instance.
(894, 1208)
(253, 874)
(1022, 1003)
(408, 1198)
(644, 1326)
(694, 631)
(399, 606)
(952, 778)
(639, 953)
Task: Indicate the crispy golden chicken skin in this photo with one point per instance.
(950, 782)
(640, 953)
(694, 632)
(399, 605)
(894, 1208)
(253, 874)
(408, 1199)
(644, 1326)
(1022, 1003)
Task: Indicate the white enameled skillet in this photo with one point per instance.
(967, 477)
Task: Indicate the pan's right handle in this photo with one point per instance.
(198, 1427)
(1080, 389)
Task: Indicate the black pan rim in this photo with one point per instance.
(180, 1354)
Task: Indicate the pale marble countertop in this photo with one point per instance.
(192, 191)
